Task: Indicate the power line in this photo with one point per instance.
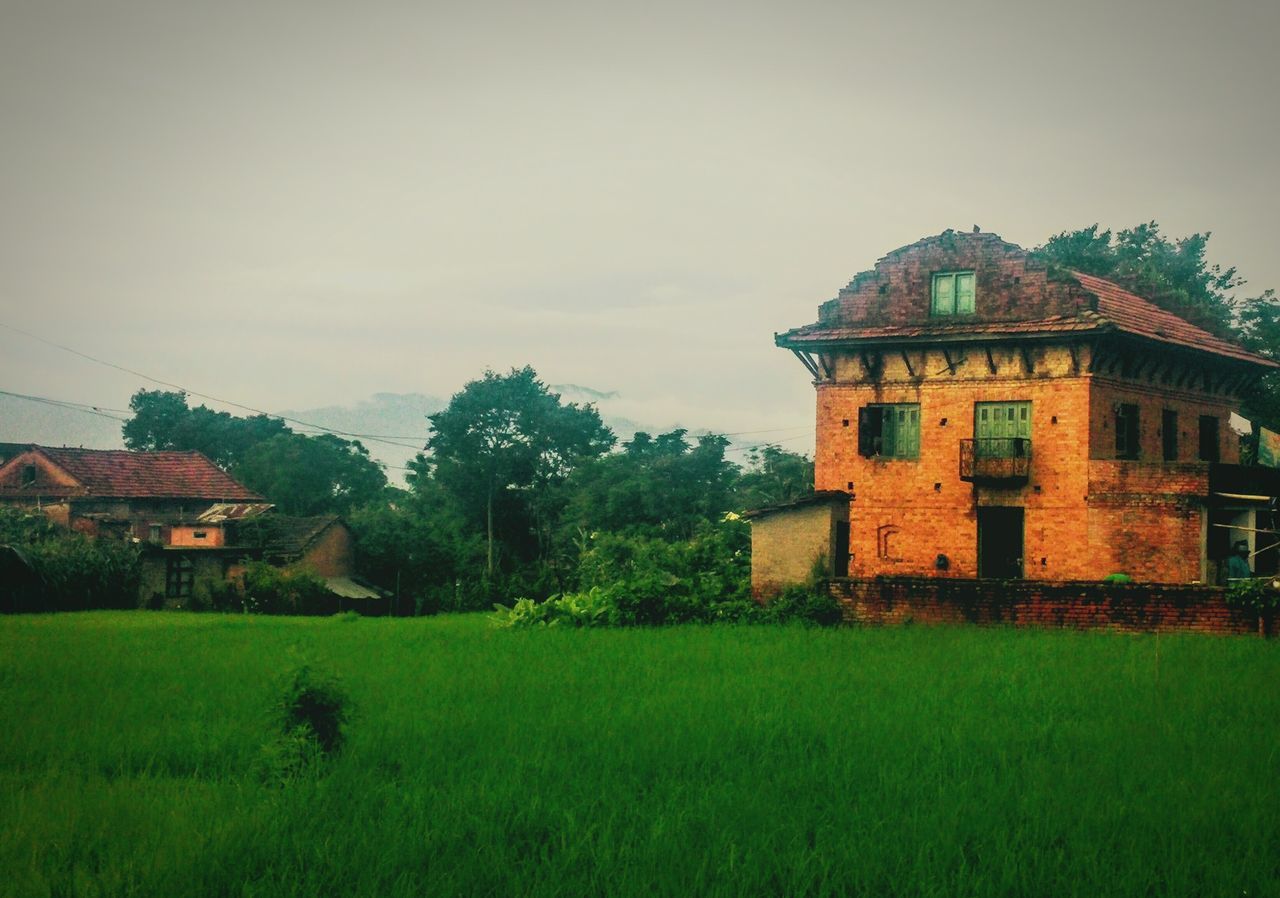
(190, 392)
(390, 440)
(69, 406)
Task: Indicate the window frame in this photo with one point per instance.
(1128, 424)
(904, 416)
(953, 304)
(1214, 449)
(1169, 434)
(179, 577)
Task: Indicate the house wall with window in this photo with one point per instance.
(994, 418)
(910, 509)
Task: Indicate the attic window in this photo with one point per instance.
(953, 293)
(199, 534)
(28, 475)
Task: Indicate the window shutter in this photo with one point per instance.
(944, 301)
(964, 293)
(864, 431)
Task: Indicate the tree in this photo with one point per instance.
(660, 486)
(1173, 274)
(300, 474)
(162, 420)
(307, 475)
(505, 440)
(773, 476)
(1176, 276)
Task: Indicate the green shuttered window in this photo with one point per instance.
(953, 293)
(889, 431)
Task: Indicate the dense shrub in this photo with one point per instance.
(271, 590)
(806, 604)
(1258, 594)
(311, 718)
(69, 571)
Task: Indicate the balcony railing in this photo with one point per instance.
(996, 460)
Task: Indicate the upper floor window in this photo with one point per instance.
(889, 431)
(1127, 440)
(952, 293)
(1208, 438)
(28, 475)
(1001, 429)
(1169, 434)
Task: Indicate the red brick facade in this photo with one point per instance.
(1034, 337)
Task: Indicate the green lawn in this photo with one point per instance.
(688, 761)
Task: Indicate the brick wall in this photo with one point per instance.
(1129, 607)
(906, 512)
(897, 291)
(333, 553)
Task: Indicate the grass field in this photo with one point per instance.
(689, 761)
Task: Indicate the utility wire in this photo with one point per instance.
(190, 392)
(379, 438)
(69, 406)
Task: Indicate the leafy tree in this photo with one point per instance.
(308, 475)
(419, 546)
(662, 486)
(1176, 276)
(163, 420)
(773, 476)
(501, 446)
(300, 474)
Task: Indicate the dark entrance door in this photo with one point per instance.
(1000, 543)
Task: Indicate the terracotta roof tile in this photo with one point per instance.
(119, 473)
(1117, 309)
(1135, 315)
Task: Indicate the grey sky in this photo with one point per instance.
(295, 205)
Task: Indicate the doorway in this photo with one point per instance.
(1000, 543)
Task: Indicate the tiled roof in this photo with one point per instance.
(119, 473)
(814, 333)
(1117, 310)
(1135, 315)
(286, 537)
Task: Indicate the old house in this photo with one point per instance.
(324, 545)
(162, 500)
(197, 525)
(991, 417)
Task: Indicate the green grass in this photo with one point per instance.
(689, 761)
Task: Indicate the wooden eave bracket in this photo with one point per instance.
(807, 361)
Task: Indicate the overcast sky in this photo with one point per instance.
(301, 204)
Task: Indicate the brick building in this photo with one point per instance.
(993, 417)
(196, 524)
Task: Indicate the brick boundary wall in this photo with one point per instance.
(1140, 608)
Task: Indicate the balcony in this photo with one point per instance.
(1000, 460)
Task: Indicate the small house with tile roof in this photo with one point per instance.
(993, 417)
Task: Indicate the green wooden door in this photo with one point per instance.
(1000, 427)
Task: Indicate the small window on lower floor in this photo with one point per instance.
(179, 577)
(889, 431)
(154, 533)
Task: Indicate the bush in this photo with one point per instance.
(596, 607)
(311, 716)
(273, 590)
(806, 605)
(71, 571)
(1259, 594)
